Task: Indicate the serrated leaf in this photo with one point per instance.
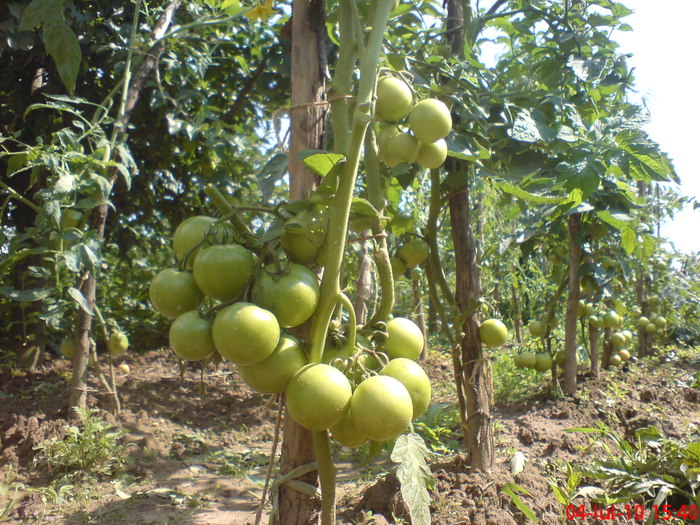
(535, 198)
(414, 476)
(79, 298)
(517, 463)
(527, 129)
(320, 162)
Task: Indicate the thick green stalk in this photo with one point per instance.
(227, 209)
(345, 301)
(431, 238)
(326, 474)
(339, 91)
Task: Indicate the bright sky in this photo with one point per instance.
(665, 45)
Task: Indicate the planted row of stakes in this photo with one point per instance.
(240, 301)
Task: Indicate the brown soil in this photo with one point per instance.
(202, 460)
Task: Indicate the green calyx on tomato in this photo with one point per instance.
(245, 334)
(430, 120)
(394, 99)
(223, 271)
(190, 337)
(381, 408)
(318, 396)
(292, 296)
(414, 378)
(173, 293)
(404, 339)
(272, 375)
(188, 235)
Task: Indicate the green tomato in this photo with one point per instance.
(528, 359)
(659, 321)
(118, 343)
(223, 271)
(560, 358)
(303, 235)
(385, 136)
(612, 319)
(414, 378)
(292, 297)
(70, 219)
(650, 328)
(615, 360)
(245, 334)
(402, 147)
(537, 328)
(67, 347)
(581, 308)
(190, 337)
(589, 309)
(543, 362)
(432, 155)
(394, 99)
(398, 267)
(405, 339)
(493, 332)
(189, 234)
(596, 322)
(430, 120)
(346, 433)
(414, 252)
(643, 322)
(318, 396)
(619, 339)
(173, 293)
(624, 355)
(628, 335)
(272, 375)
(381, 408)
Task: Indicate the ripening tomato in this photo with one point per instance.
(223, 271)
(173, 293)
(318, 396)
(189, 234)
(190, 337)
(245, 334)
(414, 378)
(381, 408)
(292, 296)
(272, 375)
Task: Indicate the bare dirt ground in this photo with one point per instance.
(196, 459)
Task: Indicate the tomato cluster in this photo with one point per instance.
(368, 386)
(422, 140)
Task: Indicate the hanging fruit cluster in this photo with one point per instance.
(422, 138)
(235, 300)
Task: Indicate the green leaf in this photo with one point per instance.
(272, 173)
(509, 489)
(40, 12)
(527, 196)
(583, 430)
(629, 239)
(63, 46)
(527, 129)
(414, 476)
(320, 162)
(79, 298)
(559, 494)
(614, 219)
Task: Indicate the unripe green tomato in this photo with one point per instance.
(70, 219)
(117, 343)
(67, 347)
(272, 375)
(173, 293)
(493, 332)
(292, 297)
(430, 120)
(650, 328)
(414, 378)
(560, 358)
(643, 322)
(596, 322)
(402, 147)
(432, 155)
(394, 99)
(615, 360)
(398, 267)
(518, 361)
(612, 319)
(381, 408)
(414, 252)
(555, 321)
(589, 309)
(190, 337)
(654, 300)
(581, 308)
(628, 335)
(223, 271)
(659, 321)
(537, 328)
(347, 434)
(636, 311)
(318, 396)
(619, 339)
(189, 234)
(387, 133)
(245, 334)
(624, 355)
(405, 339)
(528, 359)
(543, 362)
